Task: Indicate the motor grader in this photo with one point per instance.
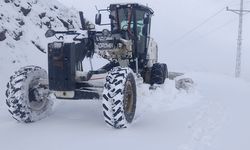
(126, 44)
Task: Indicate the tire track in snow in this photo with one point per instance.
(203, 128)
(219, 93)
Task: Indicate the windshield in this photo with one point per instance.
(125, 18)
(122, 19)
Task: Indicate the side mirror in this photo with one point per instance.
(146, 20)
(98, 19)
(50, 33)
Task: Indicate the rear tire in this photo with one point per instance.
(119, 98)
(159, 73)
(27, 99)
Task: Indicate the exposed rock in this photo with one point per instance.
(40, 25)
(25, 11)
(7, 1)
(2, 35)
(29, 4)
(25, 17)
(42, 15)
(51, 19)
(48, 24)
(20, 22)
(17, 5)
(18, 35)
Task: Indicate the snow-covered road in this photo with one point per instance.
(211, 116)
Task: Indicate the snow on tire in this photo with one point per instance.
(119, 97)
(27, 99)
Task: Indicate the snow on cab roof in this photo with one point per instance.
(146, 8)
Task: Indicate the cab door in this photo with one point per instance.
(143, 29)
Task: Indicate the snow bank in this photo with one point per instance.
(165, 97)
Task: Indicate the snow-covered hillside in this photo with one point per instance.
(213, 115)
(23, 24)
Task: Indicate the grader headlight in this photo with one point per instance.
(57, 45)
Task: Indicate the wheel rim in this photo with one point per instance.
(128, 100)
(37, 95)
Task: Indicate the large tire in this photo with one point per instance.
(119, 98)
(159, 73)
(27, 99)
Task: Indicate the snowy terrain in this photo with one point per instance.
(211, 116)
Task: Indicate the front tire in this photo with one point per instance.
(119, 98)
(27, 99)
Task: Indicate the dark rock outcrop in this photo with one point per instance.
(25, 11)
(42, 15)
(20, 22)
(18, 35)
(7, 1)
(2, 35)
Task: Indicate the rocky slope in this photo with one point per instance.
(23, 24)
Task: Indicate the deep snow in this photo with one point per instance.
(211, 116)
